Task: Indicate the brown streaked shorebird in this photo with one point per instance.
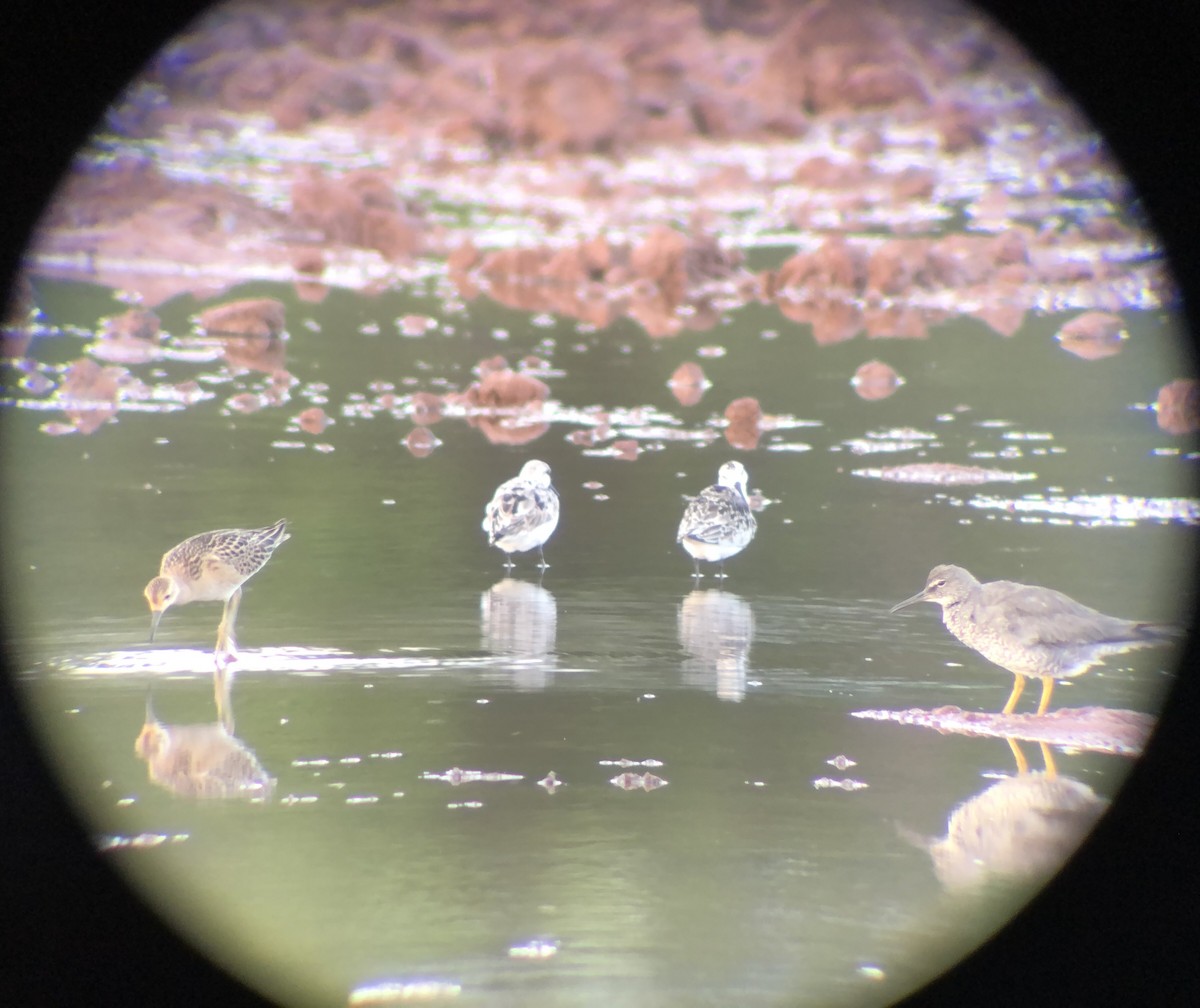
(1029, 630)
(212, 567)
(718, 522)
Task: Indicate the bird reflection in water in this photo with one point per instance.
(715, 628)
(1020, 829)
(203, 760)
(520, 619)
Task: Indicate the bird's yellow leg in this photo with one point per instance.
(1018, 685)
(1047, 689)
(1048, 761)
(1022, 762)
(226, 645)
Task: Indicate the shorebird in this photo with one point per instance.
(522, 513)
(718, 521)
(212, 567)
(1029, 630)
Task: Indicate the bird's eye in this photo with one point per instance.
(939, 584)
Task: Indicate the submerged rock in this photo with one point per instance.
(1093, 335)
(256, 317)
(313, 420)
(688, 383)
(89, 394)
(360, 208)
(421, 442)
(875, 380)
(745, 418)
(1177, 408)
(505, 389)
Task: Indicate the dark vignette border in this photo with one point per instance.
(1118, 927)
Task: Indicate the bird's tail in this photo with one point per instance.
(1158, 633)
(277, 533)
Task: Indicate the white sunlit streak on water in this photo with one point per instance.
(1098, 510)
(285, 660)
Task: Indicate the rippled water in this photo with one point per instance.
(716, 825)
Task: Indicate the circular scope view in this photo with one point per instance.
(597, 502)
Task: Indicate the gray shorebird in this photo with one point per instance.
(1031, 631)
(212, 567)
(522, 513)
(718, 522)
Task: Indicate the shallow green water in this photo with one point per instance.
(382, 643)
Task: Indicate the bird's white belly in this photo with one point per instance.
(527, 539)
(715, 552)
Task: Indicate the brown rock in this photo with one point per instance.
(821, 172)
(875, 380)
(841, 56)
(260, 317)
(255, 353)
(573, 100)
(520, 264)
(421, 442)
(743, 436)
(308, 261)
(896, 265)
(688, 383)
(626, 449)
(313, 420)
(961, 260)
(913, 183)
(426, 408)
(489, 364)
(415, 325)
(1093, 335)
(359, 209)
(651, 308)
(134, 324)
(960, 126)
(86, 383)
(833, 320)
(896, 321)
(834, 264)
(89, 394)
(508, 430)
(463, 257)
(246, 402)
(745, 410)
(1004, 317)
(506, 389)
(1178, 406)
(1011, 246)
(659, 259)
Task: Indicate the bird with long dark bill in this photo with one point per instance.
(1031, 631)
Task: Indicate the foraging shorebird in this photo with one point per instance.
(212, 567)
(718, 521)
(1031, 631)
(522, 513)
